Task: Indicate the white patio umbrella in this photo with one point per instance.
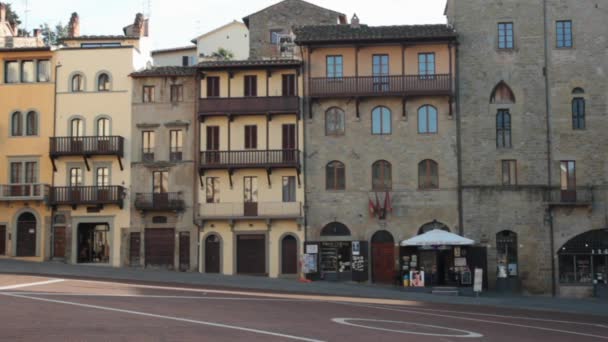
(437, 237)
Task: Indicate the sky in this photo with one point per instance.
(175, 22)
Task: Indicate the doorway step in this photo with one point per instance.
(445, 291)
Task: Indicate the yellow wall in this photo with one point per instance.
(237, 86)
(24, 97)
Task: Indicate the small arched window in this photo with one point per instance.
(335, 178)
(427, 119)
(335, 229)
(76, 128)
(578, 109)
(31, 124)
(103, 127)
(502, 94)
(103, 82)
(77, 83)
(428, 175)
(334, 121)
(427, 227)
(503, 129)
(381, 120)
(382, 176)
(16, 124)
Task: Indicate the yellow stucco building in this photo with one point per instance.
(27, 93)
(251, 189)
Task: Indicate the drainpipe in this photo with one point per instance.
(196, 184)
(458, 143)
(549, 155)
(53, 210)
(304, 72)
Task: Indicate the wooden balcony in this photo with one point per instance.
(87, 195)
(23, 192)
(248, 106)
(578, 197)
(167, 201)
(364, 86)
(253, 159)
(251, 211)
(87, 147)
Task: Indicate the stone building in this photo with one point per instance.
(268, 25)
(380, 134)
(91, 146)
(532, 103)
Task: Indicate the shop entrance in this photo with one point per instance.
(251, 254)
(26, 235)
(159, 246)
(383, 257)
(93, 245)
(212, 254)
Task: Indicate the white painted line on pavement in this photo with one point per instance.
(172, 318)
(19, 286)
(65, 294)
(349, 321)
(515, 317)
(478, 320)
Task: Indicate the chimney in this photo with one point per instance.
(74, 26)
(2, 12)
(38, 33)
(354, 22)
(139, 27)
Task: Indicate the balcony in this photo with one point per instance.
(87, 195)
(168, 201)
(87, 147)
(251, 211)
(23, 192)
(249, 106)
(579, 197)
(266, 159)
(401, 86)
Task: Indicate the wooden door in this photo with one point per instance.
(251, 254)
(2, 240)
(383, 262)
(160, 247)
(26, 235)
(184, 251)
(212, 254)
(289, 143)
(59, 242)
(289, 85)
(213, 144)
(250, 196)
(289, 255)
(134, 248)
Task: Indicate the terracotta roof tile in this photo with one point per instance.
(165, 71)
(249, 63)
(348, 33)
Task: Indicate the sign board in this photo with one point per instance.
(478, 281)
(360, 261)
(356, 248)
(309, 263)
(460, 262)
(417, 278)
(312, 249)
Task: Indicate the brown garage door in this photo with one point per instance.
(59, 242)
(2, 240)
(160, 247)
(251, 254)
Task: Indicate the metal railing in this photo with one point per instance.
(576, 196)
(253, 158)
(166, 201)
(88, 146)
(399, 85)
(257, 209)
(87, 195)
(17, 192)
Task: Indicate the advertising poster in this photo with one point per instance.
(417, 278)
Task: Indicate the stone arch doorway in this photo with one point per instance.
(212, 254)
(383, 257)
(289, 255)
(26, 235)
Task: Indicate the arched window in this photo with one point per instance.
(334, 121)
(584, 259)
(381, 120)
(427, 227)
(76, 128)
(502, 94)
(103, 127)
(506, 254)
(31, 124)
(428, 175)
(334, 176)
(335, 229)
(427, 119)
(382, 176)
(77, 83)
(103, 82)
(16, 124)
(578, 109)
(503, 129)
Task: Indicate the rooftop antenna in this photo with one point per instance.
(27, 13)
(146, 8)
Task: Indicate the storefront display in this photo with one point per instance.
(584, 259)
